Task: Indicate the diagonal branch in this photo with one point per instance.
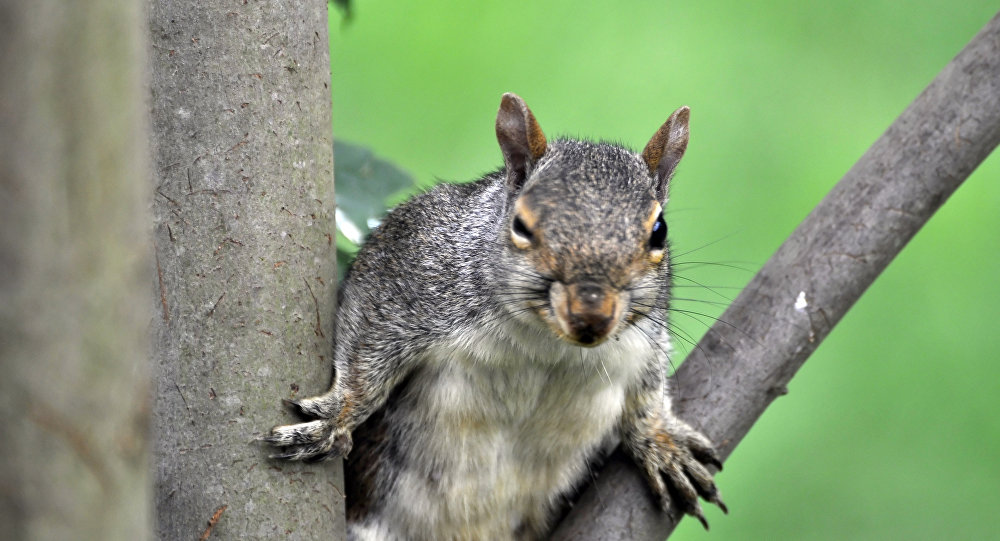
(791, 305)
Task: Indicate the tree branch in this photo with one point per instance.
(746, 360)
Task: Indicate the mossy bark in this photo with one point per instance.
(74, 260)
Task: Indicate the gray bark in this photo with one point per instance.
(245, 269)
(74, 389)
(745, 361)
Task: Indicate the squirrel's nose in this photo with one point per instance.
(588, 311)
(590, 328)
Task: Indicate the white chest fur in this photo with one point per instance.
(507, 424)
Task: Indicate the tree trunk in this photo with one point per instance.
(244, 239)
(746, 359)
(74, 385)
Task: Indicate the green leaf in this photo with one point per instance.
(344, 6)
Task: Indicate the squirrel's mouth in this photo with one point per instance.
(586, 312)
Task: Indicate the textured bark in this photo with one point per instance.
(745, 361)
(74, 383)
(245, 270)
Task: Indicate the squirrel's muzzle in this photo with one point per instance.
(587, 312)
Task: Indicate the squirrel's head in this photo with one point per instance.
(585, 240)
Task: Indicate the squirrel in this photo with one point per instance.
(494, 336)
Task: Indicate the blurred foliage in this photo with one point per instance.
(366, 186)
(344, 6)
(891, 430)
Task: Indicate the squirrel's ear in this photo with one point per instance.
(520, 137)
(666, 148)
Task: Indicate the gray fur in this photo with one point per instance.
(473, 413)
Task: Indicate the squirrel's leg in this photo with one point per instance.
(673, 455)
(361, 386)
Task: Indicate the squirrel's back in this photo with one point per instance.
(436, 234)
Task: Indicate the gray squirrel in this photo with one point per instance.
(493, 336)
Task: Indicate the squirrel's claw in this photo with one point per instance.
(297, 434)
(676, 467)
(699, 476)
(317, 407)
(707, 455)
(310, 441)
(296, 409)
(697, 513)
(306, 453)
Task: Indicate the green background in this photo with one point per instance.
(891, 430)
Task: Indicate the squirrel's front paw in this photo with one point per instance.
(675, 464)
(311, 441)
(317, 439)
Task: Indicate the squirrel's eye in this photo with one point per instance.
(522, 236)
(658, 237)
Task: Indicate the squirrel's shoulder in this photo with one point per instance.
(431, 242)
(432, 231)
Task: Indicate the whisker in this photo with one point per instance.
(697, 264)
(606, 374)
(706, 245)
(713, 290)
(655, 343)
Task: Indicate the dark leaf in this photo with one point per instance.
(365, 185)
